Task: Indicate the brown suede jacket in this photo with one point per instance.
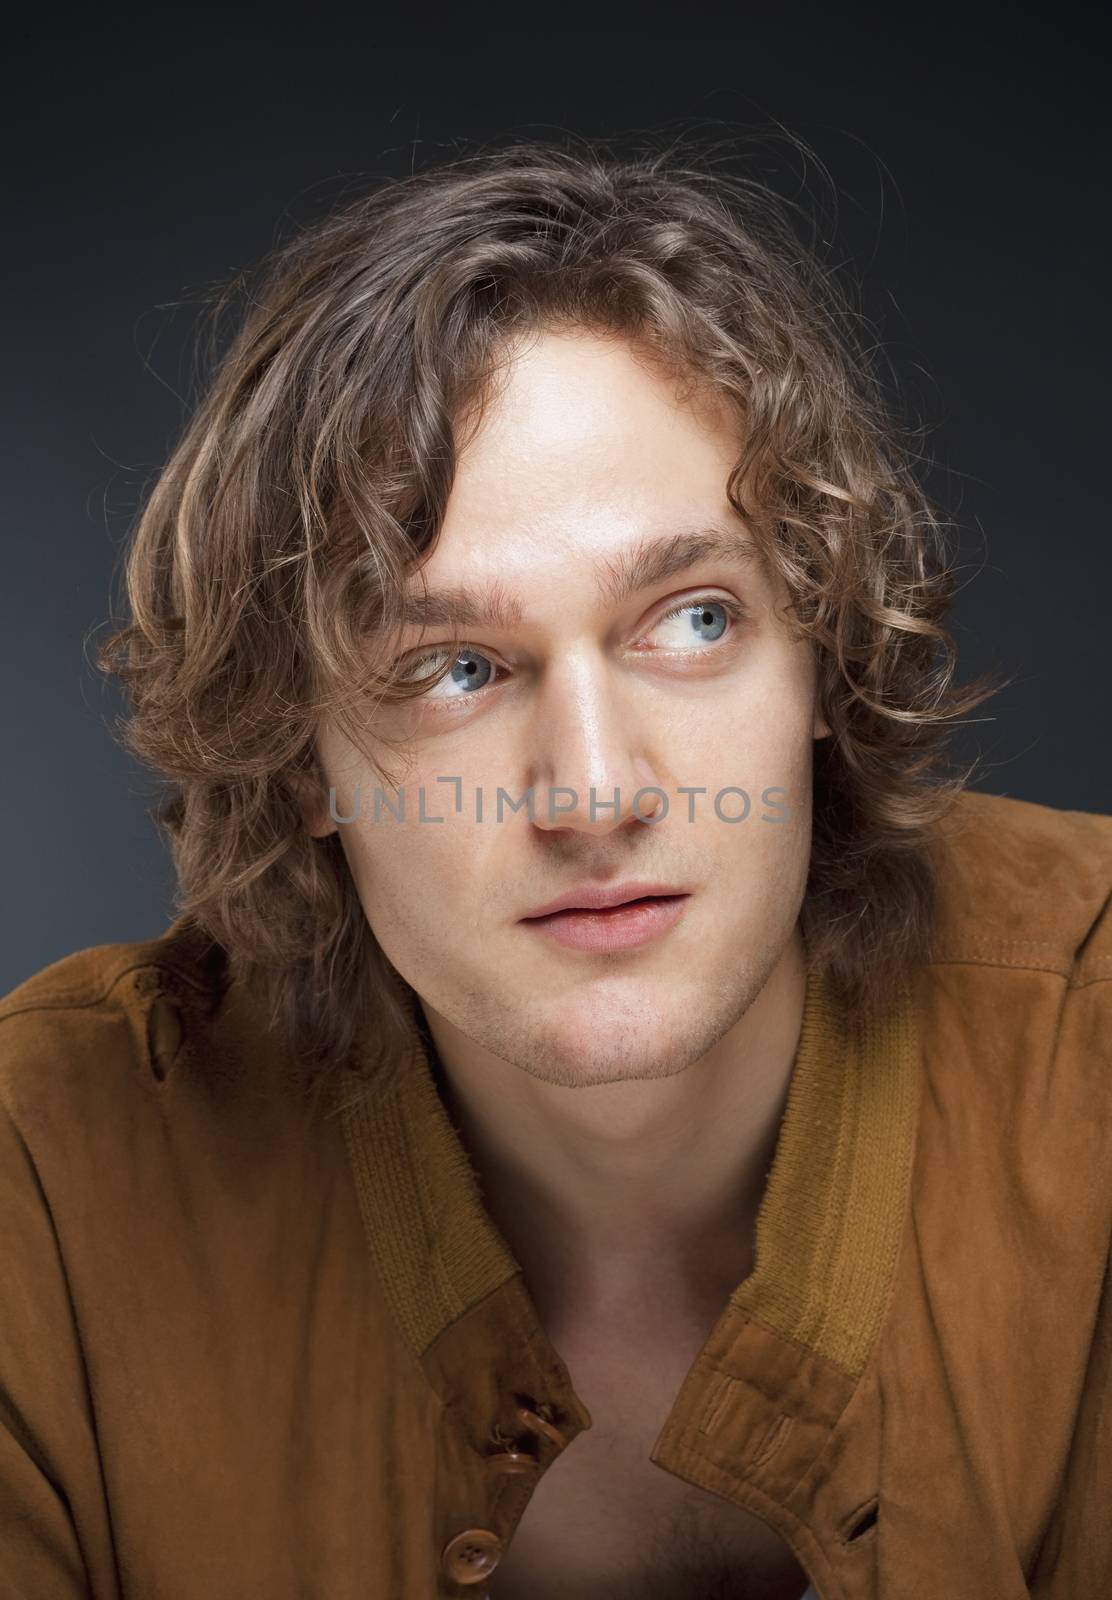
(253, 1344)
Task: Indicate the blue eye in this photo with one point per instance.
(470, 671)
(699, 622)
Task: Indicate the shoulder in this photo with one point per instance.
(104, 1015)
(1011, 1208)
(1024, 885)
(1016, 1012)
(93, 976)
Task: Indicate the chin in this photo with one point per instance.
(607, 1045)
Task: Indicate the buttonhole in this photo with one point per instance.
(164, 1035)
(865, 1521)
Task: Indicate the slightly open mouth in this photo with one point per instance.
(610, 911)
(611, 930)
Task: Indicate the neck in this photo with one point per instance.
(600, 1190)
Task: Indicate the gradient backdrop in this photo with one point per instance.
(149, 157)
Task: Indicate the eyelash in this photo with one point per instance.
(733, 609)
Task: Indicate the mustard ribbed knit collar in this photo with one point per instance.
(828, 1227)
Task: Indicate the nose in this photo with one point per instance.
(590, 764)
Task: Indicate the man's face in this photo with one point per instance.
(584, 461)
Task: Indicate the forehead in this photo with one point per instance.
(582, 450)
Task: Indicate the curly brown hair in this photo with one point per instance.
(314, 476)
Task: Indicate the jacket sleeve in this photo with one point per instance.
(1076, 1554)
(49, 1472)
(1075, 1557)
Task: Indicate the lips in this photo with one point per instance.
(611, 929)
(602, 897)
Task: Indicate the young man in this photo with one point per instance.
(610, 1120)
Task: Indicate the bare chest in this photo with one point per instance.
(605, 1521)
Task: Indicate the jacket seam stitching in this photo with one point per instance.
(976, 958)
(72, 999)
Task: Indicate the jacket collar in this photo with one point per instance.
(828, 1227)
(777, 1413)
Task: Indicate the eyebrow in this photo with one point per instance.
(617, 578)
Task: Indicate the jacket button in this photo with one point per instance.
(514, 1463)
(472, 1555)
(537, 1424)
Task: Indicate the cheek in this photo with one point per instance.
(414, 878)
(766, 850)
(779, 728)
(762, 739)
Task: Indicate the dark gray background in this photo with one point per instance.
(149, 158)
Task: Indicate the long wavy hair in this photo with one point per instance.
(313, 479)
